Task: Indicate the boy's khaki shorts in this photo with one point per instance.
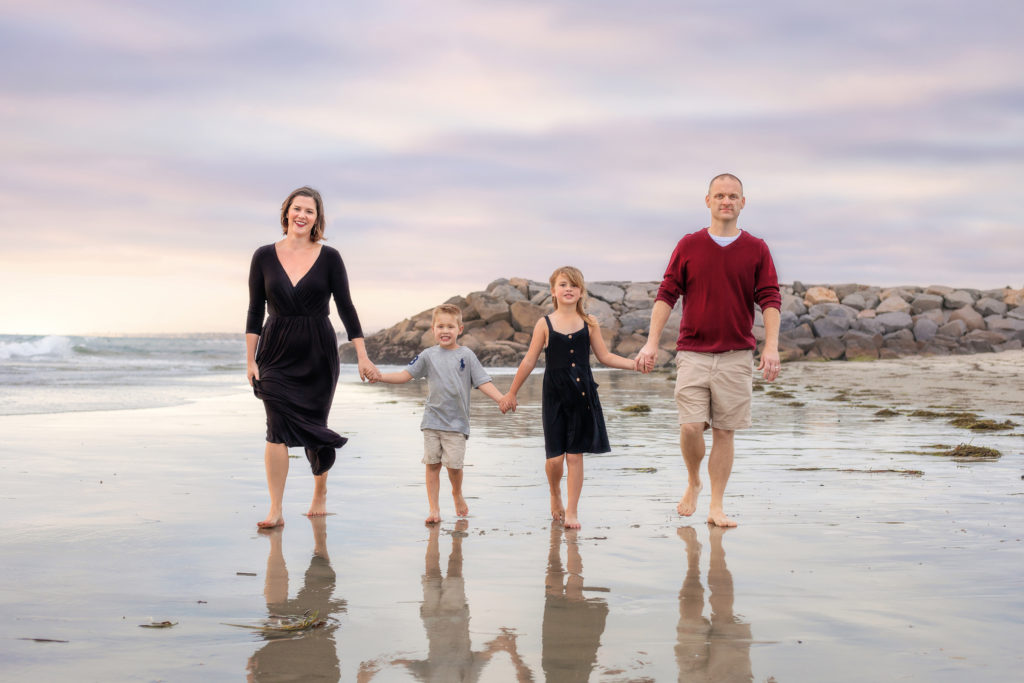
(448, 448)
(715, 388)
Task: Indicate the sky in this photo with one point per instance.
(146, 147)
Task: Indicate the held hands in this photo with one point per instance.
(646, 358)
(368, 371)
(507, 403)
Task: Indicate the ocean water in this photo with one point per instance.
(57, 374)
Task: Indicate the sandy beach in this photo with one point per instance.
(862, 553)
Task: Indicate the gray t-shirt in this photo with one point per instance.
(451, 377)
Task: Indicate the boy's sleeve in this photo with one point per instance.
(417, 367)
(477, 373)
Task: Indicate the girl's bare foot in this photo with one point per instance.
(572, 522)
(688, 503)
(434, 517)
(461, 509)
(557, 509)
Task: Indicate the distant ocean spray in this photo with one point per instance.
(47, 374)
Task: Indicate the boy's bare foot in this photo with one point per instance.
(461, 509)
(718, 518)
(433, 517)
(271, 522)
(572, 522)
(557, 509)
(688, 503)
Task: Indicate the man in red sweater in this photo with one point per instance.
(720, 272)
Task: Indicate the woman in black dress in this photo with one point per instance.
(292, 359)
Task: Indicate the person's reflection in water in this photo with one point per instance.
(310, 655)
(573, 624)
(445, 614)
(715, 649)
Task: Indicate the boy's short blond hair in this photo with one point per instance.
(447, 309)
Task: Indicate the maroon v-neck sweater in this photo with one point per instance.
(719, 286)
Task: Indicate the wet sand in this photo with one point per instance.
(860, 555)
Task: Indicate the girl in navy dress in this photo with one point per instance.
(571, 410)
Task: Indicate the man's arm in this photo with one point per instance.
(648, 355)
(770, 363)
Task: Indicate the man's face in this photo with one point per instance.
(725, 199)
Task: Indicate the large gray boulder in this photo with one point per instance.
(893, 304)
(954, 328)
(525, 315)
(489, 308)
(971, 318)
(957, 299)
(982, 341)
(793, 304)
(861, 346)
(925, 329)
(640, 294)
(926, 302)
(1011, 327)
(891, 322)
(801, 336)
(606, 291)
(633, 321)
(988, 306)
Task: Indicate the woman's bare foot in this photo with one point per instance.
(557, 509)
(461, 508)
(572, 521)
(688, 503)
(718, 518)
(274, 519)
(318, 508)
(433, 517)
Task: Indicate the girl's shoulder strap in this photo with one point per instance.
(547, 319)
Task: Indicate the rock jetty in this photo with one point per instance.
(819, 322)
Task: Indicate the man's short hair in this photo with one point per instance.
(447, 309)
(725, 175)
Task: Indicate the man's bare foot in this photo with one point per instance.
(433, 517)
(718, 518)
(271, 522)
(688, 503)
(572, 522)
(461, 509)
(557, 509)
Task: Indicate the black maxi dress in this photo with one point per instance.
(570, 409)
(297, 353)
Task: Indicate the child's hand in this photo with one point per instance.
(507, 403)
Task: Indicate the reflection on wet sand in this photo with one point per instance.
(715, 649)
(445, 615)
(573, 624)
(310, 655)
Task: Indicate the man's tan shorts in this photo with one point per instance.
(715, 388)
(448, 448)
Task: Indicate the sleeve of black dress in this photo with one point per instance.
(257, 296)
(342, 297)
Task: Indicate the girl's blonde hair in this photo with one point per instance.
(575, 278)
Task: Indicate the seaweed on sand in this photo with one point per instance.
(276, 623)
(636, 408)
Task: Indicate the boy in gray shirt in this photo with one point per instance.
(452, 371)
